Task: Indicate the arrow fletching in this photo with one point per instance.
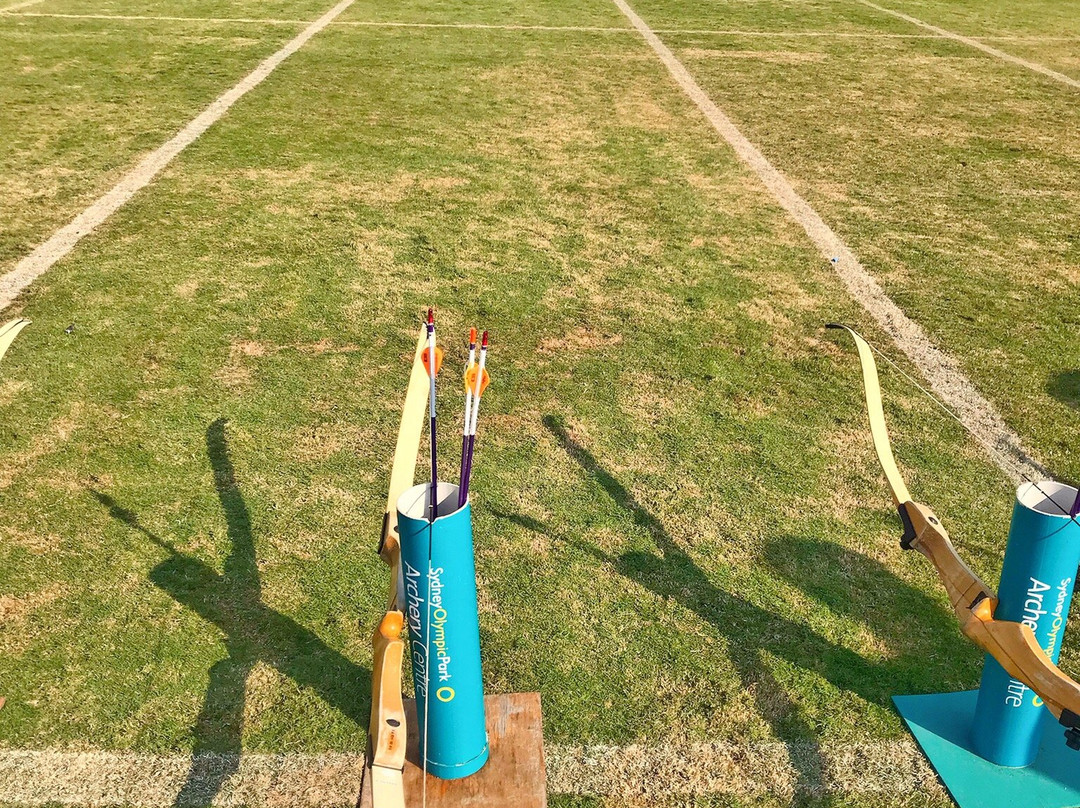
(438, 361)
(470, 380)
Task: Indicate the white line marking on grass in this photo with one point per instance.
(555, 28)
(940, 369)
(480, 26)
(65, 239)
(855, 35)
(38, 778)
(358, 23)
(143, 17)
(974, 43)
(652, 773)
(794, 34)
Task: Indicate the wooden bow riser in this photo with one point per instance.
(1012, 644)
(388, 718)
(965, 589)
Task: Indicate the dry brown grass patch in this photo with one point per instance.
(15, 608)
(58, 432)
(248, 348)
(581, 339)
(317, 442)
(641, 109)
(234, 376)
(780, 57)
(32, 541)
(10, 389)
(187, 289)
(260, 691)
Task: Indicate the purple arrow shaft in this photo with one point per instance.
(468, 469)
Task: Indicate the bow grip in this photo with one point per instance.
(907, 541)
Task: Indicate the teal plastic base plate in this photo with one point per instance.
(941, 724)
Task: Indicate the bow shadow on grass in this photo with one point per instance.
(752, 630)
(253, 633)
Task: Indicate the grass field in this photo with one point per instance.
(682, 533)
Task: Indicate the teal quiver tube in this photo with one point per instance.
(444, 630)
(1036, 588)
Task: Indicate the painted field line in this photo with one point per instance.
(150, 18)
(556, 28)
(857, 35)
(480, 26)
(355, 23)
(974, 43)
(39, 778)
(64, 240)
(794, 34)
(941, 370)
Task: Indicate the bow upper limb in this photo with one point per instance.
(8, 332)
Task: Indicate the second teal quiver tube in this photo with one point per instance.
(1036, 589)
(444, 630)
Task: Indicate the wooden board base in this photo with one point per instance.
(513, 776)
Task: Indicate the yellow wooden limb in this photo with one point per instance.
(8, 332)
(876, 413)
(406, 449)
(1014, 646)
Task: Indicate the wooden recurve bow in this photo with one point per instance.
(1012, 644)
(387, 731)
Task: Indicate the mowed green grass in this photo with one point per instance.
(951, 175)
(845, 17)
(990, 18)
(681, 530)
(1044, 32)
(81, 100)
(226, 9)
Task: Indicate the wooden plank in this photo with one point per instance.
(513, 776)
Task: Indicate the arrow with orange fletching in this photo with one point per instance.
(432, 359)
(476, 381)
(468, 414)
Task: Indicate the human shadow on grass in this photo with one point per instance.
(253, 633)
(1065, 387)
(752, 631)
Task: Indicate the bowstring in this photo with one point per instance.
(1016, 467)
(427, 668)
